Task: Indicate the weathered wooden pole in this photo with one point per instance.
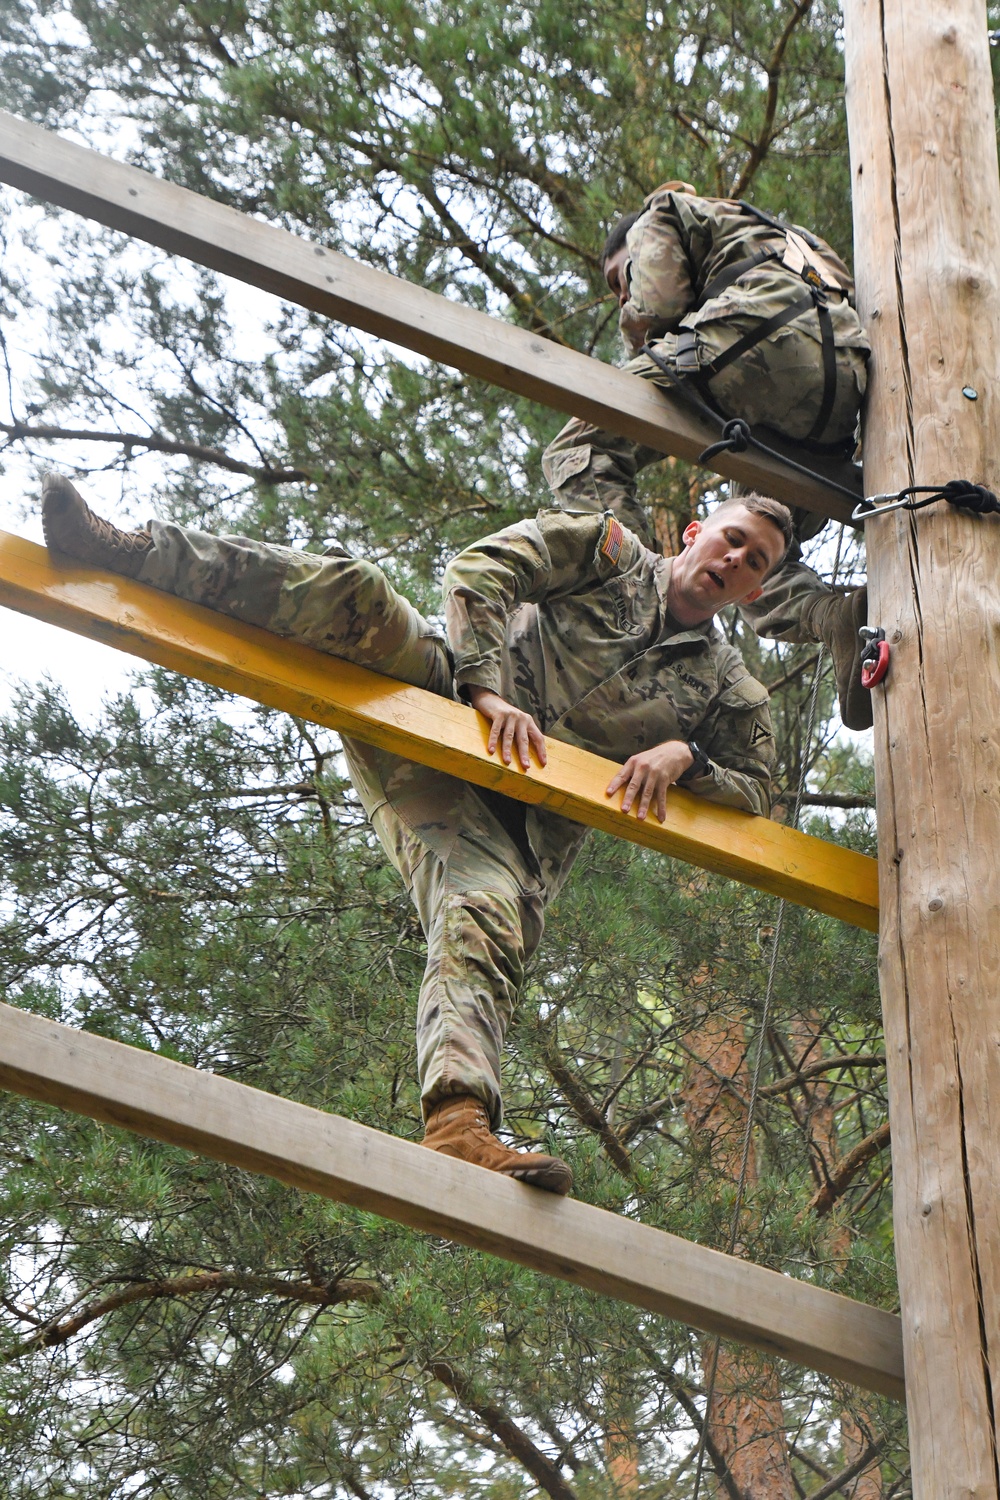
(927, 250)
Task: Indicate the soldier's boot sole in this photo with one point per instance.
(836, 621)
(71, 527)
(459, 1127)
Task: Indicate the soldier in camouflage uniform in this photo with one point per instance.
(565, 625)
(697, 280)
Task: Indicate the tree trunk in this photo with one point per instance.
(820, 1122)
(746, 1419)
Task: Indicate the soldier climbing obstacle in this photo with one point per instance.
(758, 318)
(564, 625)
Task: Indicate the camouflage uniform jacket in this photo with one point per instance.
(566, 616)
(681, 243)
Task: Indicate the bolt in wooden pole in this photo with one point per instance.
(927, 243)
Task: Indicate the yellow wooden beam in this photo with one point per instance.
(350, 1163)
(243, 659)
(211, 234)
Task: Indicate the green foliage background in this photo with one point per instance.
(194, 876)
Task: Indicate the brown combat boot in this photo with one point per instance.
(836, 620)
(70, 526)
(459, 1126)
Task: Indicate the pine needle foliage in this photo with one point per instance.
(194, 876)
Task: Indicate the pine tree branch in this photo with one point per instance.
(843, 1174)
(765, 135)
(289, 789)
(517, 1443)
(349, 1474)
(715, 1453)
(588, 1113)
(870, 1192)
(686, 1401)
(825, 1065)
(61, 1331)
(648, 1115)
(691, 127)
(477, 1435)
(836, 1484)
(647, 1052)
(519, 165)
(264, 474)
(474, 253)
(793, 675)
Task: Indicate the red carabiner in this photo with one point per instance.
(874, 670)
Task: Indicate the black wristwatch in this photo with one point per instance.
(700, 766)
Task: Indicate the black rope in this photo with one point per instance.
(958, 492)
(736, 438)
(737, 435)
(745, 437)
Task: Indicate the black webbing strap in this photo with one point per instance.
(813, 298)
(737, 435)
(766, 218)
(816, 297)
(829, 369)
(757, 336)
(733, 273)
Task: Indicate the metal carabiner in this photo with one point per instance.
(870, 506)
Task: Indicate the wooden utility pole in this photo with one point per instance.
(927, 250)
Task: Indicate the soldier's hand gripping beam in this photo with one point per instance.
(421, 726)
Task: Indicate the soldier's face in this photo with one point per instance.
(725, 561)
(614, 274)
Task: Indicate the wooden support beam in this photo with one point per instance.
(440, 733)
(927, 241)
(211, 234)
(323, 1153)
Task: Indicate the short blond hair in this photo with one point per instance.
(772, 510)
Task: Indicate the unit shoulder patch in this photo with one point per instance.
(759, 732)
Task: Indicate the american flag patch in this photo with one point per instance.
(611, 541)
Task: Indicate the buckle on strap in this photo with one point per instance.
(686, 360)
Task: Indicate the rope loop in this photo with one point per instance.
(686, 388)
(736, 438)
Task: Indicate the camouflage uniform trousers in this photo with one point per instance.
(476, 888)
(778, 383)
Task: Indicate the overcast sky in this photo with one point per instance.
(87, 670)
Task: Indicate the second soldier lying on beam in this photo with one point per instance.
(757, 319)
(565, 625)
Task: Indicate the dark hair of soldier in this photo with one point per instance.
(762, 505)
(618, 231)
(616, 236)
